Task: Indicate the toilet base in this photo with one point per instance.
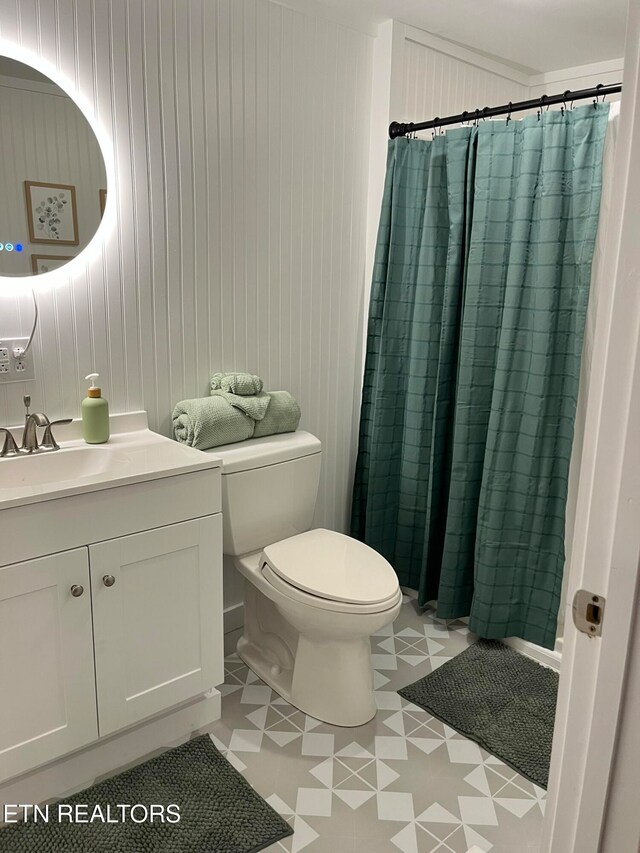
(317, 659)
(332, 682)
(272, 674)
(329, 679)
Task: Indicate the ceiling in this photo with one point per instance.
(536, 35)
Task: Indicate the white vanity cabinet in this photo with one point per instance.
(47, 687)
(156, 643)
(121, 627)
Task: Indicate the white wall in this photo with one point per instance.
(44, 137)
(580, 77)
(440, 79)
(241, 142)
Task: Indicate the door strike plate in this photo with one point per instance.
(588, 612)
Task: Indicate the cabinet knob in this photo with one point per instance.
(77, 590)
(108, 580)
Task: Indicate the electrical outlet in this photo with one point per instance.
(5, 363)
(14, 365)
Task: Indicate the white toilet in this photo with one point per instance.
(312, 597)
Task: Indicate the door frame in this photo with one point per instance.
(594, 671)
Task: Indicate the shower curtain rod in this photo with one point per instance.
(402, 129)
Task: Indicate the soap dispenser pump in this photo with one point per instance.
(95, 414)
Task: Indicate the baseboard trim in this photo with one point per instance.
(547, 657)
(72, 773)
(233, 617)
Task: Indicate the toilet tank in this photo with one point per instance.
(269, 489)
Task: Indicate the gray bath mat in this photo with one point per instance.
(219, 811)
(498, 698)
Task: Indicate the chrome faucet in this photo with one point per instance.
(30, 433)
(48, 441)
(32, 421)
(9, 447)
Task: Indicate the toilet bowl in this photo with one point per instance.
(312, 597)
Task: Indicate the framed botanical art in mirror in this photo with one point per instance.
(51, 213)
(45, 263)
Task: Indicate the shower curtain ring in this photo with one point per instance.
(509, 113)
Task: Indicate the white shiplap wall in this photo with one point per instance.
(241, 180)
(439, 79)
(580, 77)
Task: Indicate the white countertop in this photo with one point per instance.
(133, 454)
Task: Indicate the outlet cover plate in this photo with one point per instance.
(15, 369)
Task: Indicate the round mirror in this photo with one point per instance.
(53, 184)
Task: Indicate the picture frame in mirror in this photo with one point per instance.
(52, 214)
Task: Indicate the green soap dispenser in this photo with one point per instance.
(95, 414)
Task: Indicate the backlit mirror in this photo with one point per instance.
(53, 185)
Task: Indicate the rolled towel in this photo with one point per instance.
(254, 406)
(283, 415)
(243, 384)
(209, 422)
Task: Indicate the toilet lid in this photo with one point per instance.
(333, 566)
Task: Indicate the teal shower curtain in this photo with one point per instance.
(476, 320)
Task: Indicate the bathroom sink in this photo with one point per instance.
(68, 463)
(133, 454)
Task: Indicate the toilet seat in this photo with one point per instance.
(310, 600)
(332, 571)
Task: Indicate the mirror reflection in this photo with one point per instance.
(53, 186)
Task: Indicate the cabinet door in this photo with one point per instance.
(157, 611)
(47, 684)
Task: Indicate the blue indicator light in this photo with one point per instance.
(18, 247)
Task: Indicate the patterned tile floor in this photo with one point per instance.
(405, 781)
